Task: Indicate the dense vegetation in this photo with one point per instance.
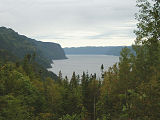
(129, 90)
(20, 45)
(109, 50)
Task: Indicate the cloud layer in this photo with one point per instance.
(72, 22)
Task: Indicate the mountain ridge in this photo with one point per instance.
(95, 50)
(20, 45)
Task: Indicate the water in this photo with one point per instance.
(79, 63)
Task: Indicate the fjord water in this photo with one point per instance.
(79, 63)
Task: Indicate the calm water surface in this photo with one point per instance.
(80, 63)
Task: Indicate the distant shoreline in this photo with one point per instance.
(92, 55)
(108, 50)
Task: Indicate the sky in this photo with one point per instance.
(72, 23)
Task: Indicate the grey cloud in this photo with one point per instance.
(42, 19)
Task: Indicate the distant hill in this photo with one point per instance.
(109, 50)
(20, 45)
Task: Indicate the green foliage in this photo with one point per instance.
(68, 117)
(11, 108)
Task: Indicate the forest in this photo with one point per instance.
(129, 90)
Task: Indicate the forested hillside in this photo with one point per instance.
(20, 45)
(129, 90)
(108, 50)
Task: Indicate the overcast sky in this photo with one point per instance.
(72, 22)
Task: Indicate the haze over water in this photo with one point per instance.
(80, 63)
